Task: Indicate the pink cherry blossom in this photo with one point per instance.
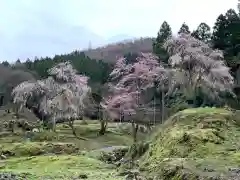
(129, 82)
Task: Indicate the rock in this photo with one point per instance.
(134, 175)
(35, 130)
(208, 169)
(235, 173)
(113, 154)
(83, 176)
(234, 170)
(3, 157)
(8, 153)
(130, 174)
(8, 176)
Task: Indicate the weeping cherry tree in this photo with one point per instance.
(60, 96)
(130, 81)
(198, 68)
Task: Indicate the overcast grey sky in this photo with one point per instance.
(46, 27)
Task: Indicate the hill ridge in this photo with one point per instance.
(109, 52)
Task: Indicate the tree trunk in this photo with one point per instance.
(149, 128)
(103, 121)
(204, 101)
(72, 127)
(54, 124)
(163, 107)
(103, 128)
(134, 131)
(11, 125)
(71, 124)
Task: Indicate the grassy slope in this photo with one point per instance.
(37, 159)
(194, 143)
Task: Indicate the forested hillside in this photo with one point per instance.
(110, 52)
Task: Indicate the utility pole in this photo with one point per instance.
(154, 110)
(89, 45)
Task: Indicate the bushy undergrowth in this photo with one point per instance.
(37, 148)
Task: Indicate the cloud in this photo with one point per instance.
(145, 17)
(45, 27)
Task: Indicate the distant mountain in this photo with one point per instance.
(63, 40)
(54, 39)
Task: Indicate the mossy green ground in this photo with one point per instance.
(194, 143)
(60, 167)
(60, 155)
(202, 142)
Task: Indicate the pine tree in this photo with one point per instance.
(5, 63)
(226, 37)
(233, 36)
(184, 29)
(203, 32)
(163, 34)
(220, 33)
(226, 34)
